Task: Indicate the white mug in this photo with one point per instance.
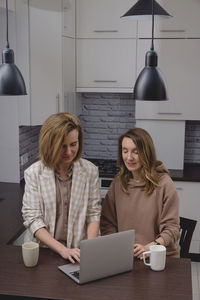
(157, 258)
(30, 254)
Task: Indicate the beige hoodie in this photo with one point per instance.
(150, 215)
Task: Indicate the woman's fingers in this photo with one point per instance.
(74, 254)
(138, 250)
(71, 259)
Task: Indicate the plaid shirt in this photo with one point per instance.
(39, 200)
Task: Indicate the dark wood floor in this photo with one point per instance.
(11, 223)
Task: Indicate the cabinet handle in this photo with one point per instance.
(58, 103)
(100, 31)
(105, 80)
(172, 30)
(179, 188)
(169, 113)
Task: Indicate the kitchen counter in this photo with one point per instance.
(11, 222)
(108, 169)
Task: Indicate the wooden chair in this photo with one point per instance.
(187, 229)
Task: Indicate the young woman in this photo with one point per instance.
(61, 203)
(142, 196)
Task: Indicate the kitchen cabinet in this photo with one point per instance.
(11, 4)
(72, 102)
(179, 64)
(169, 139)
(45, 59)
(106, 46)
(22, 55)
(184, 22)
(189, 208)
(101, 19)
(106, 65)
(68, 18)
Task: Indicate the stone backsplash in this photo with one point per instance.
(104, 117)
(28, 146)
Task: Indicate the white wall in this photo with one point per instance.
(9, 140)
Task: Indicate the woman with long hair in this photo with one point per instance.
(61, 203)
(142, 196)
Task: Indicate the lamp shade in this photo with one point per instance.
(11, 80)
(144, 8)
(150, 84)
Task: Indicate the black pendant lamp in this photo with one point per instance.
(150, 84)
(11, 79)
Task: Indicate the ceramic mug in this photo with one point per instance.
(157, 257)
(30, 254)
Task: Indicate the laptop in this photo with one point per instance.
(102, 257)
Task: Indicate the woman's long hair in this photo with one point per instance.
(147, 156)
(52, 135)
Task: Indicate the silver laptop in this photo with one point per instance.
(102, 257)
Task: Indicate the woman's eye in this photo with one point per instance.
(74, 144)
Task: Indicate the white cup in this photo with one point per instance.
(30, 254)
(157, 257)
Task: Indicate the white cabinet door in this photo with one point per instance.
(11, 4)
(45, 58)
(169, 139)
(106, 65)
(184, 23)
(71, 100)
(189, 208)
(101, 19)
(180, 66)
(68, 18)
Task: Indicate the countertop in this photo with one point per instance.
(11, 222)
(108, 169)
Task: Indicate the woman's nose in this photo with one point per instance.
(130, 156)
(68, 150)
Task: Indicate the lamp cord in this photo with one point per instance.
(152, 37)
(7, 42)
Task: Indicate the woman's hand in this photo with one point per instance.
(72, 254)
(139, 249)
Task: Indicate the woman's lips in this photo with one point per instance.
(67, 157)
(131, 164)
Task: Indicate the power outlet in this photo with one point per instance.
(24, 159)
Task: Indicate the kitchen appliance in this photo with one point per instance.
(107, 170)
(104, 186)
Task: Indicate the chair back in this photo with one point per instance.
(187, 229)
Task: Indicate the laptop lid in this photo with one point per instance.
(104, 256)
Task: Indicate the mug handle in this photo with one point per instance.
(144, 257)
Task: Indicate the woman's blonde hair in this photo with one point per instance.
(147, 156)
(52, 135)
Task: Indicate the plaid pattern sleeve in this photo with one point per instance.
(94, 207)
(39, 204)
(85, 204)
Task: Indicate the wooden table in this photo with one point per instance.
(46, 281)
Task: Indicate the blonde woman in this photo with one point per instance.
(61, 203)
(142, 196)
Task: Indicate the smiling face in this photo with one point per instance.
(130, 157)
(70, 148)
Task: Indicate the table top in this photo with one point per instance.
(46, 281)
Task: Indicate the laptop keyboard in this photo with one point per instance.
(75, 274)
